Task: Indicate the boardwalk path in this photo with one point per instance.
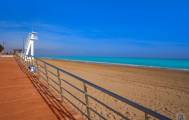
(20, 100)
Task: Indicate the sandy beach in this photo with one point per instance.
(162, 90)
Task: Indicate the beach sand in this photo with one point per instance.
(162, 90)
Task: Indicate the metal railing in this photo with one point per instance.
(92, 101)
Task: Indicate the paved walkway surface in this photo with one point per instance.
(19, 100)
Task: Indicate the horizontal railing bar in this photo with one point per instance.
(43, 77)
(76, 107)
(41, 66)
(49, 64)
(74, 96)
(73, 86)
(42, 72)
(120, 98)
(53, 81)
(108, 107)
(51, 78)
(97, 113)
(52, 73)
(54, 88)
(133, 104)
(23, 62)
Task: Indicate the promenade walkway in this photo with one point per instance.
(19, 98)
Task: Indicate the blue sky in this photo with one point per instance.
(137, 28)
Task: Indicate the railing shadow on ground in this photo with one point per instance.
(92, 101)
(60, 111)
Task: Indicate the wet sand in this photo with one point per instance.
(163, 90)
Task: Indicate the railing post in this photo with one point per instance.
(37, 68)
(46, 72)
(87, 101)
(32, 61)
(27, 62)
(146, 116)
(60, 84)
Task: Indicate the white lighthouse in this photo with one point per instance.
(29, 48)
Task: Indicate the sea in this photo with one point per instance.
(178, 64)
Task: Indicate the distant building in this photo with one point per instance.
(17, 51)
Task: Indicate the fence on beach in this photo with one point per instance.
(92, 101)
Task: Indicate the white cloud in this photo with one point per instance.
(60, 39)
